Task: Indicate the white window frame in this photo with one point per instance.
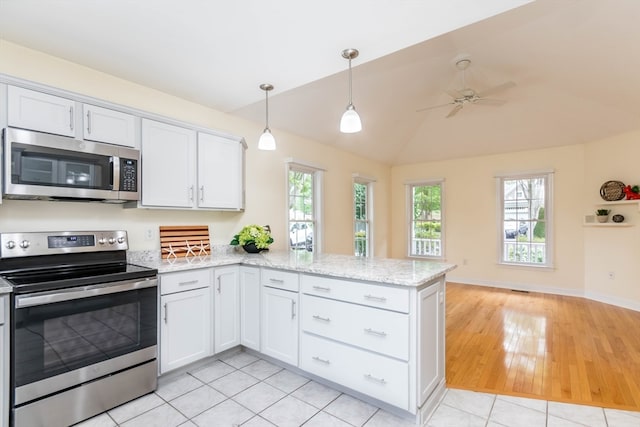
(547, 174)
(409, 185)
(369, 183)
(317, 194)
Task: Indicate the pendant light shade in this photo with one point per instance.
(266, 141)
(350, 122)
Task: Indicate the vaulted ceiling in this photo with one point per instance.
(574, 64)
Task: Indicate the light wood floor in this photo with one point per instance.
(542, 346)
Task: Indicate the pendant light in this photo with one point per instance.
(350, 122)
(266, 141)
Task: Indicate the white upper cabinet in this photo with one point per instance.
(220, 172)
(168, 175)
(105, 125)
(182, 169)
(28, 109)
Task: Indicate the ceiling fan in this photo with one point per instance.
(466, 95)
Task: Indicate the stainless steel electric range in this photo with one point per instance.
(83, 325)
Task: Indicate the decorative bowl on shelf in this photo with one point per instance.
(617, 218)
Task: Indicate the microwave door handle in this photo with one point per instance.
(115, 172)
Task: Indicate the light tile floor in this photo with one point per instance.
(243, 390)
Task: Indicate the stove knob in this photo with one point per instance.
(24, 244)
(102, 240)
(11, 244)
(121, 240)
(111, 240)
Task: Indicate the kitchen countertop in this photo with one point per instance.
(5, 287)
(403, 272)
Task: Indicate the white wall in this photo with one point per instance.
(583, 255)
(265, 171)
(607, 249)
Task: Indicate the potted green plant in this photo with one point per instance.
(603, 215)
(253, 238)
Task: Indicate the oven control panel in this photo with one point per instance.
(50, 243)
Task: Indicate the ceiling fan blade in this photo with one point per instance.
(490, 102)
(434, 106)
(495, 89)
(455, 110)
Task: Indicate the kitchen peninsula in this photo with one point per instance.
(371, 326)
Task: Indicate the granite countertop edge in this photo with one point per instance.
(401, 272)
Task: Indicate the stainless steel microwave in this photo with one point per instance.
(51, 167)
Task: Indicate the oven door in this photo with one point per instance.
(64, 338)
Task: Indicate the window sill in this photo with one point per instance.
(527, 266)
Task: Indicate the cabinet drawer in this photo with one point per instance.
(382, 331)
(185, 280)
(280, 279)
(390, 298)
(377, 376)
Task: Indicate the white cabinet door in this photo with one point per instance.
(185, 328)
(105, 125)
(226, 308)
(168, 168)
(431, 340)
(39, 111)
(4, 361)
(220, 172)
(250, 307)
(280, 324)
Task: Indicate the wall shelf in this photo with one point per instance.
(621, 202)
(607, 224)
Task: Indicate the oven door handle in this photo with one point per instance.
(29, 300)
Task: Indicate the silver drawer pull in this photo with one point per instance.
(374, 332)
(188, 282)
(321, 288)
(276, 280)
(376, 379)
(375, 298)
(324, 319)
(318, 359)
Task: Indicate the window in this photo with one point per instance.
(525, 213)
(426, 225)
(304, 206)
(362, 216)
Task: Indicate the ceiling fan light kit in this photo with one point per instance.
(267, 141)
(466, 95)
(350, 121)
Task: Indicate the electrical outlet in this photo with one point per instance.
(611, 275)
(148, 234)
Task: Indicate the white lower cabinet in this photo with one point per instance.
(4, 360)
(430, 339)
(186, 333)
(280, 324)
(380, 377)
(226, 309)
(250, 307)
(384, 341)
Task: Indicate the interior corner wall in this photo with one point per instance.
(611, 254)
(266, 193)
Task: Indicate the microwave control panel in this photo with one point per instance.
(128, 175)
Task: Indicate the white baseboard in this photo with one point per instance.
(530, 287)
